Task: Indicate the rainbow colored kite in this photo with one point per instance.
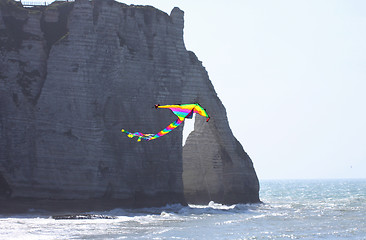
(182, 111)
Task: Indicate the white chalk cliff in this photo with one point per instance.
(74, 74)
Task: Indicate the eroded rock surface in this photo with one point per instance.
(74, 74)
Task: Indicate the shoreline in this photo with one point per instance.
(52, 206)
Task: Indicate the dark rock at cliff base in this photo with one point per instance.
(82, 216)
(73, 74)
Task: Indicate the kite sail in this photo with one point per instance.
(182, 111)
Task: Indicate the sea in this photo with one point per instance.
(290, 209)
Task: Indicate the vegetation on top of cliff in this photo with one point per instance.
(56, 4)
(14, 17)
(145, 7)
(11, 6)
(55, 31)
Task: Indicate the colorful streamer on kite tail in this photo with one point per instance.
(139, 135)
(168, 129)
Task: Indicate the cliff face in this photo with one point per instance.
(74, 74)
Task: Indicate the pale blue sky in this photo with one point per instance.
(292, 76)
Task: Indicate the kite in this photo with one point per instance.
(182, 111)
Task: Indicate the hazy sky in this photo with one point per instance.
(292, 76)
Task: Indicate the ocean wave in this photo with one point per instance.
(283, 215)
(176, 210)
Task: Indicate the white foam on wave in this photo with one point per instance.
(174, 212)
(212, 205)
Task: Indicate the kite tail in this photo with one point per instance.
(130, 135)
(168, 129)
(139, 135)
